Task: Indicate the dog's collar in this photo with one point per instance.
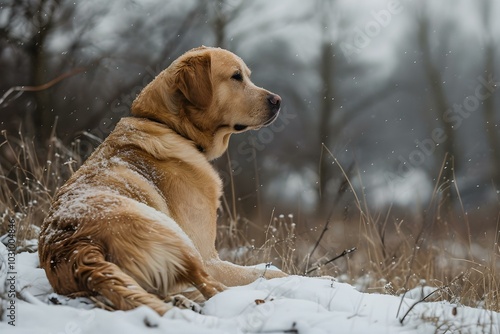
(198, 146)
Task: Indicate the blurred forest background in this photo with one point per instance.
(399, 96)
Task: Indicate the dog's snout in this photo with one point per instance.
(274, 102)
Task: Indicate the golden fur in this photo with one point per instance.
(137, 222)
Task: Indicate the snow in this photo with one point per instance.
(293, 304)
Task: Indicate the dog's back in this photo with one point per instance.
(108, 232)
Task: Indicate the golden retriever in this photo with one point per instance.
(137, 222)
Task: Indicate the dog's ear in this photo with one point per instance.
(193, 79)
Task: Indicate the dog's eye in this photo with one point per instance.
(237, 76)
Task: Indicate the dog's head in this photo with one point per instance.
(206, 95)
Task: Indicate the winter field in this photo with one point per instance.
(377, 189)
(287, 305)
(392, 277)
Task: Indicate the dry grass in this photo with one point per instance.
(391, 262)
(29, 182)
(391, 255)
(380, 252)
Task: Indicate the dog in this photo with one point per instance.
(136, 223)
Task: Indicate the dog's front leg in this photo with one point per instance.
(231, 274)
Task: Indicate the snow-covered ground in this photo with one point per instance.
(286, 305)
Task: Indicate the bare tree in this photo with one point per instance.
(27, 31)
(337, 108)
(441, 104)
(223, 13)
(490, 115)
(328, 105)
(110, 59)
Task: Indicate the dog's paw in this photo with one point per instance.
(184, 303)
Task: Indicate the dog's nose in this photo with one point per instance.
(274, 102)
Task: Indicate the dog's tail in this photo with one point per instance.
(93, 276)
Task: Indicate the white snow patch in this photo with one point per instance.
(291, 304)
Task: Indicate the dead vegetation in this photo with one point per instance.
(375, 252)
(29, 182)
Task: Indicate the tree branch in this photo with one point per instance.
(344, 253)
(44, 86)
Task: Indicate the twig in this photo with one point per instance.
(22, 89)
(344, 253)
(346, 178)
(342, 188)
(325, 228)
(427, 296)
(92, 136)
